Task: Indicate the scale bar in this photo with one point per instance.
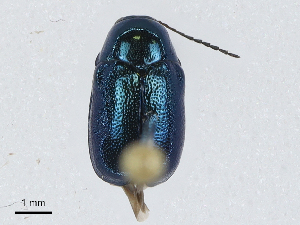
(33, 212)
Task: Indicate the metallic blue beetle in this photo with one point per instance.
(138, 92)
(138, 85)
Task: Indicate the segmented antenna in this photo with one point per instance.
(199, 41)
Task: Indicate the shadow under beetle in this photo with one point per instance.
(136, 117)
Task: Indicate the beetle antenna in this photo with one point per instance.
(199, 41)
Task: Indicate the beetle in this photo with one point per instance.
(136, 115)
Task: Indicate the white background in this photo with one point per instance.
(240, 162)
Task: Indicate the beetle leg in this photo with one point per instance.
(135, 195)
